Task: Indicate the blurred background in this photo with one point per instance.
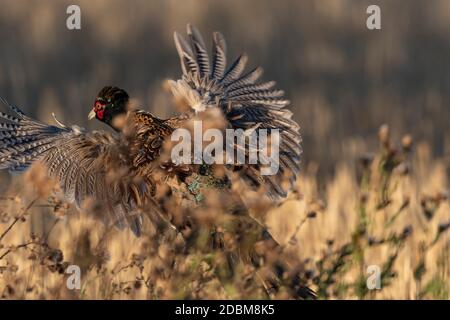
(344, 80)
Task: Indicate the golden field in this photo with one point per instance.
(373, 107)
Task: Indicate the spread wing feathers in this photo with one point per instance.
(80, 161)
(246, 102)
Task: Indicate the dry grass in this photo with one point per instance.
(344, 80)
(390, 209)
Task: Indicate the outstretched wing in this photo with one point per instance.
(82, 162)
(246, 102)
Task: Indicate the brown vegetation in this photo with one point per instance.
(391, 209)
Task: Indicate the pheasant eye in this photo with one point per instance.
(98, 105)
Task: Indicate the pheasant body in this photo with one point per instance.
(121, 170)
(127, 173)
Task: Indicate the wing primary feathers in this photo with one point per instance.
(219, 56)
(198, 44)
(15, 109)
(10, 118)
(245, 101)
(188, 61)
(249, 78)
(76, 158)
(235, 70)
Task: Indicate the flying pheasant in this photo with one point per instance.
(121, 170)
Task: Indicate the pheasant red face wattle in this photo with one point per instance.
(99, 110)
(100, 114)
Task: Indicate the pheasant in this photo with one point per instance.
(122, 170)
(83, 161)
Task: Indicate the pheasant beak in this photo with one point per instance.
(91, 115)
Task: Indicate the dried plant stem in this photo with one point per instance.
(9, 227)
(23, 245)
(17, 219)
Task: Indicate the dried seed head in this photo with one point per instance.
(366, 161)
(407, 142)
(311, 214)
(384, 134)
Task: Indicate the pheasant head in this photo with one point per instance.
(110, 106)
